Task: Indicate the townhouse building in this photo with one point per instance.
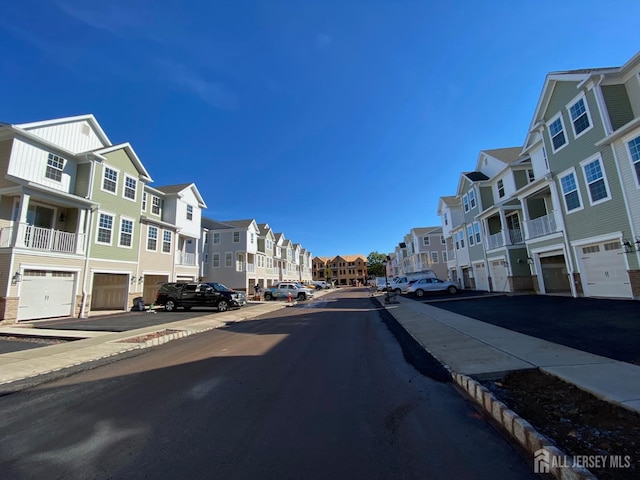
(580, 219)
(559, 215)
(266, 268)
(81, 230)
(422, 249)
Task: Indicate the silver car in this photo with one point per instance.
(425, 285)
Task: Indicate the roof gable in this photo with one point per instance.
(128, 149)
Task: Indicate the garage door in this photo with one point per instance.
(151, 287)
(109, 291)
(482, 281)
(604, 272)
(554, 274)
(500, 276)
(46, 294)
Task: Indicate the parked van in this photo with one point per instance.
(399, 284)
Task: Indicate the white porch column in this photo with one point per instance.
(525, 219)
(21, 222)
(506, 239)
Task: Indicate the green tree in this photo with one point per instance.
(375, 268)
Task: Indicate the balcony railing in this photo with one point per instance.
(496, 240)
(541, 226)
(186, 259)
(251, 267)
(42, 239)
(516, 237)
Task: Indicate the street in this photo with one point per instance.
(321, 390)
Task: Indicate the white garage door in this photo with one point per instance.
(604, 272)
(482, 281)
(500, 276)
(46, 294)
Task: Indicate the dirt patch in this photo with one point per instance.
(39, 340)
(149, 336)
(577, 421)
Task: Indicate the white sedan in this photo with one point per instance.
(425, 285)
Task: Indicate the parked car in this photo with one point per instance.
(232, 295)
(399, 284)
(189, 295)
(381, 283)
(425, 285)
(320, 285)
(284, 289)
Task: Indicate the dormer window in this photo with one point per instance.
(189, 212)
(500, 188)
(472, 198)
(465, 202)
(55, 164)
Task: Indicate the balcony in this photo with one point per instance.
(495, 241)
(541, 226)
(251, 267)
(42, 239)
(186, 259)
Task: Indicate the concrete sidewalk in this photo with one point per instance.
(480, 350)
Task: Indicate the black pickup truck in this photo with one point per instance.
(189, 295)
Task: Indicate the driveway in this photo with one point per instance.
(610, 328)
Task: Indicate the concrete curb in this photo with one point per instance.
(518, 428)
(522, 431)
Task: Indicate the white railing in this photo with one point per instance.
(515, 235)
(541, 226)
(43, 239)
(496, 240)
(187, 259)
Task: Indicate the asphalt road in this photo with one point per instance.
(607, 327)
(317, 391)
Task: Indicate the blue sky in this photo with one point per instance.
(339, 123)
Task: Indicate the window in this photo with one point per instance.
(634, 154)
(144, 201)
(596, 183)
(556, 130)
(579, 117)
(251, 235)
(434, 257)
(472, 198)
(425, 241)
(465, 202)
(476, 229)
(126, 232)
(570, 192)
(442, 240)
(189, 212)
(470, 234)
(444, 256)
(239, 262)
(55, 164)
(155, 205)
(216, 238)
(228, 259)
(236, 237)
(152, 239)
(110, 180)
(166, 241)
(130, 188)
(446, 219)
(206, 258)
(105, 227)
(500, 187)
(530, 175)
